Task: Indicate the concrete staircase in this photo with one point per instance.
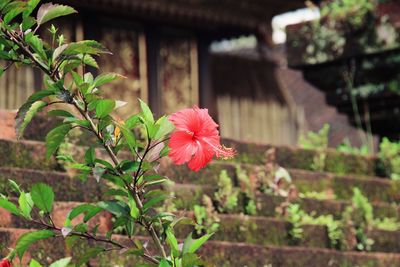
(242, 240)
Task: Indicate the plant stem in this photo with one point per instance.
(54, 75)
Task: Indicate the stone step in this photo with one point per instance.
(31, 155)
(233, 228)
(375, 188)
(299, 158)
(288, 157)
(215, 253)
(186, 195)
(189, 195)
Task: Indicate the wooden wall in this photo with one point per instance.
(16, 85)
(252, 103)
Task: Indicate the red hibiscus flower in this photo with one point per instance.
(5, 263)
(195, 139)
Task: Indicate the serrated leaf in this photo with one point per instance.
(60, 113)
(106, 78)
(90, 156)
(37, 45)
(29, 109)
(27, 23)
(104, 107)
(27, 239)
(51, 11)
(58, 51)
(25, 204)
(165, 127)
(192, 245)
(147, 114)
(14, 186)
(129, 137)
(55, 137)
(85, 47)
(153, 201)
(82, 208)
(118, 208)
(172, 242)
(134, 209)
(13, 13)
(31, 5)
(43, 196)
(5, 204)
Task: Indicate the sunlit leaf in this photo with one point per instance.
(51, 11)
(55, 137)
(43, 196)
(27, 239)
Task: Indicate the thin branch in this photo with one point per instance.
(55, 77)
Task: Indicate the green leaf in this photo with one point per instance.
(129, 137)
(129, 166)
(190, 260)
(58, 51)
(37, 45)
(12, 14)
(27, 239)
(104, 107)
(82, 208)
(43, 196)
(32, 4)
(90, 156)
(85, 47)
(172, 242)
(147, 114)
(25, 204)
(106, 78)
(27, 23)
(134, 209)
(5, 204)
(153, 201)
(61, 263)
(29, 109)
(165, 127)
(164, 263)
(118, 208)
(50, 11)
(192, 245)
(34, 263)
(14, 186)
(60, 113)
(55, 137)
(27, 115)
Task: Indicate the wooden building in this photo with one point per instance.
(162, 47)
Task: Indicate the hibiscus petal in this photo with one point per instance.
(204, 155)
(182, 147)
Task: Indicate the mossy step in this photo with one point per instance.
(25, 154)
(299, 158)
(66, 187)
(288, 157)
(186, 195)
(234, 228)
(377, 189)
(215, 253)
